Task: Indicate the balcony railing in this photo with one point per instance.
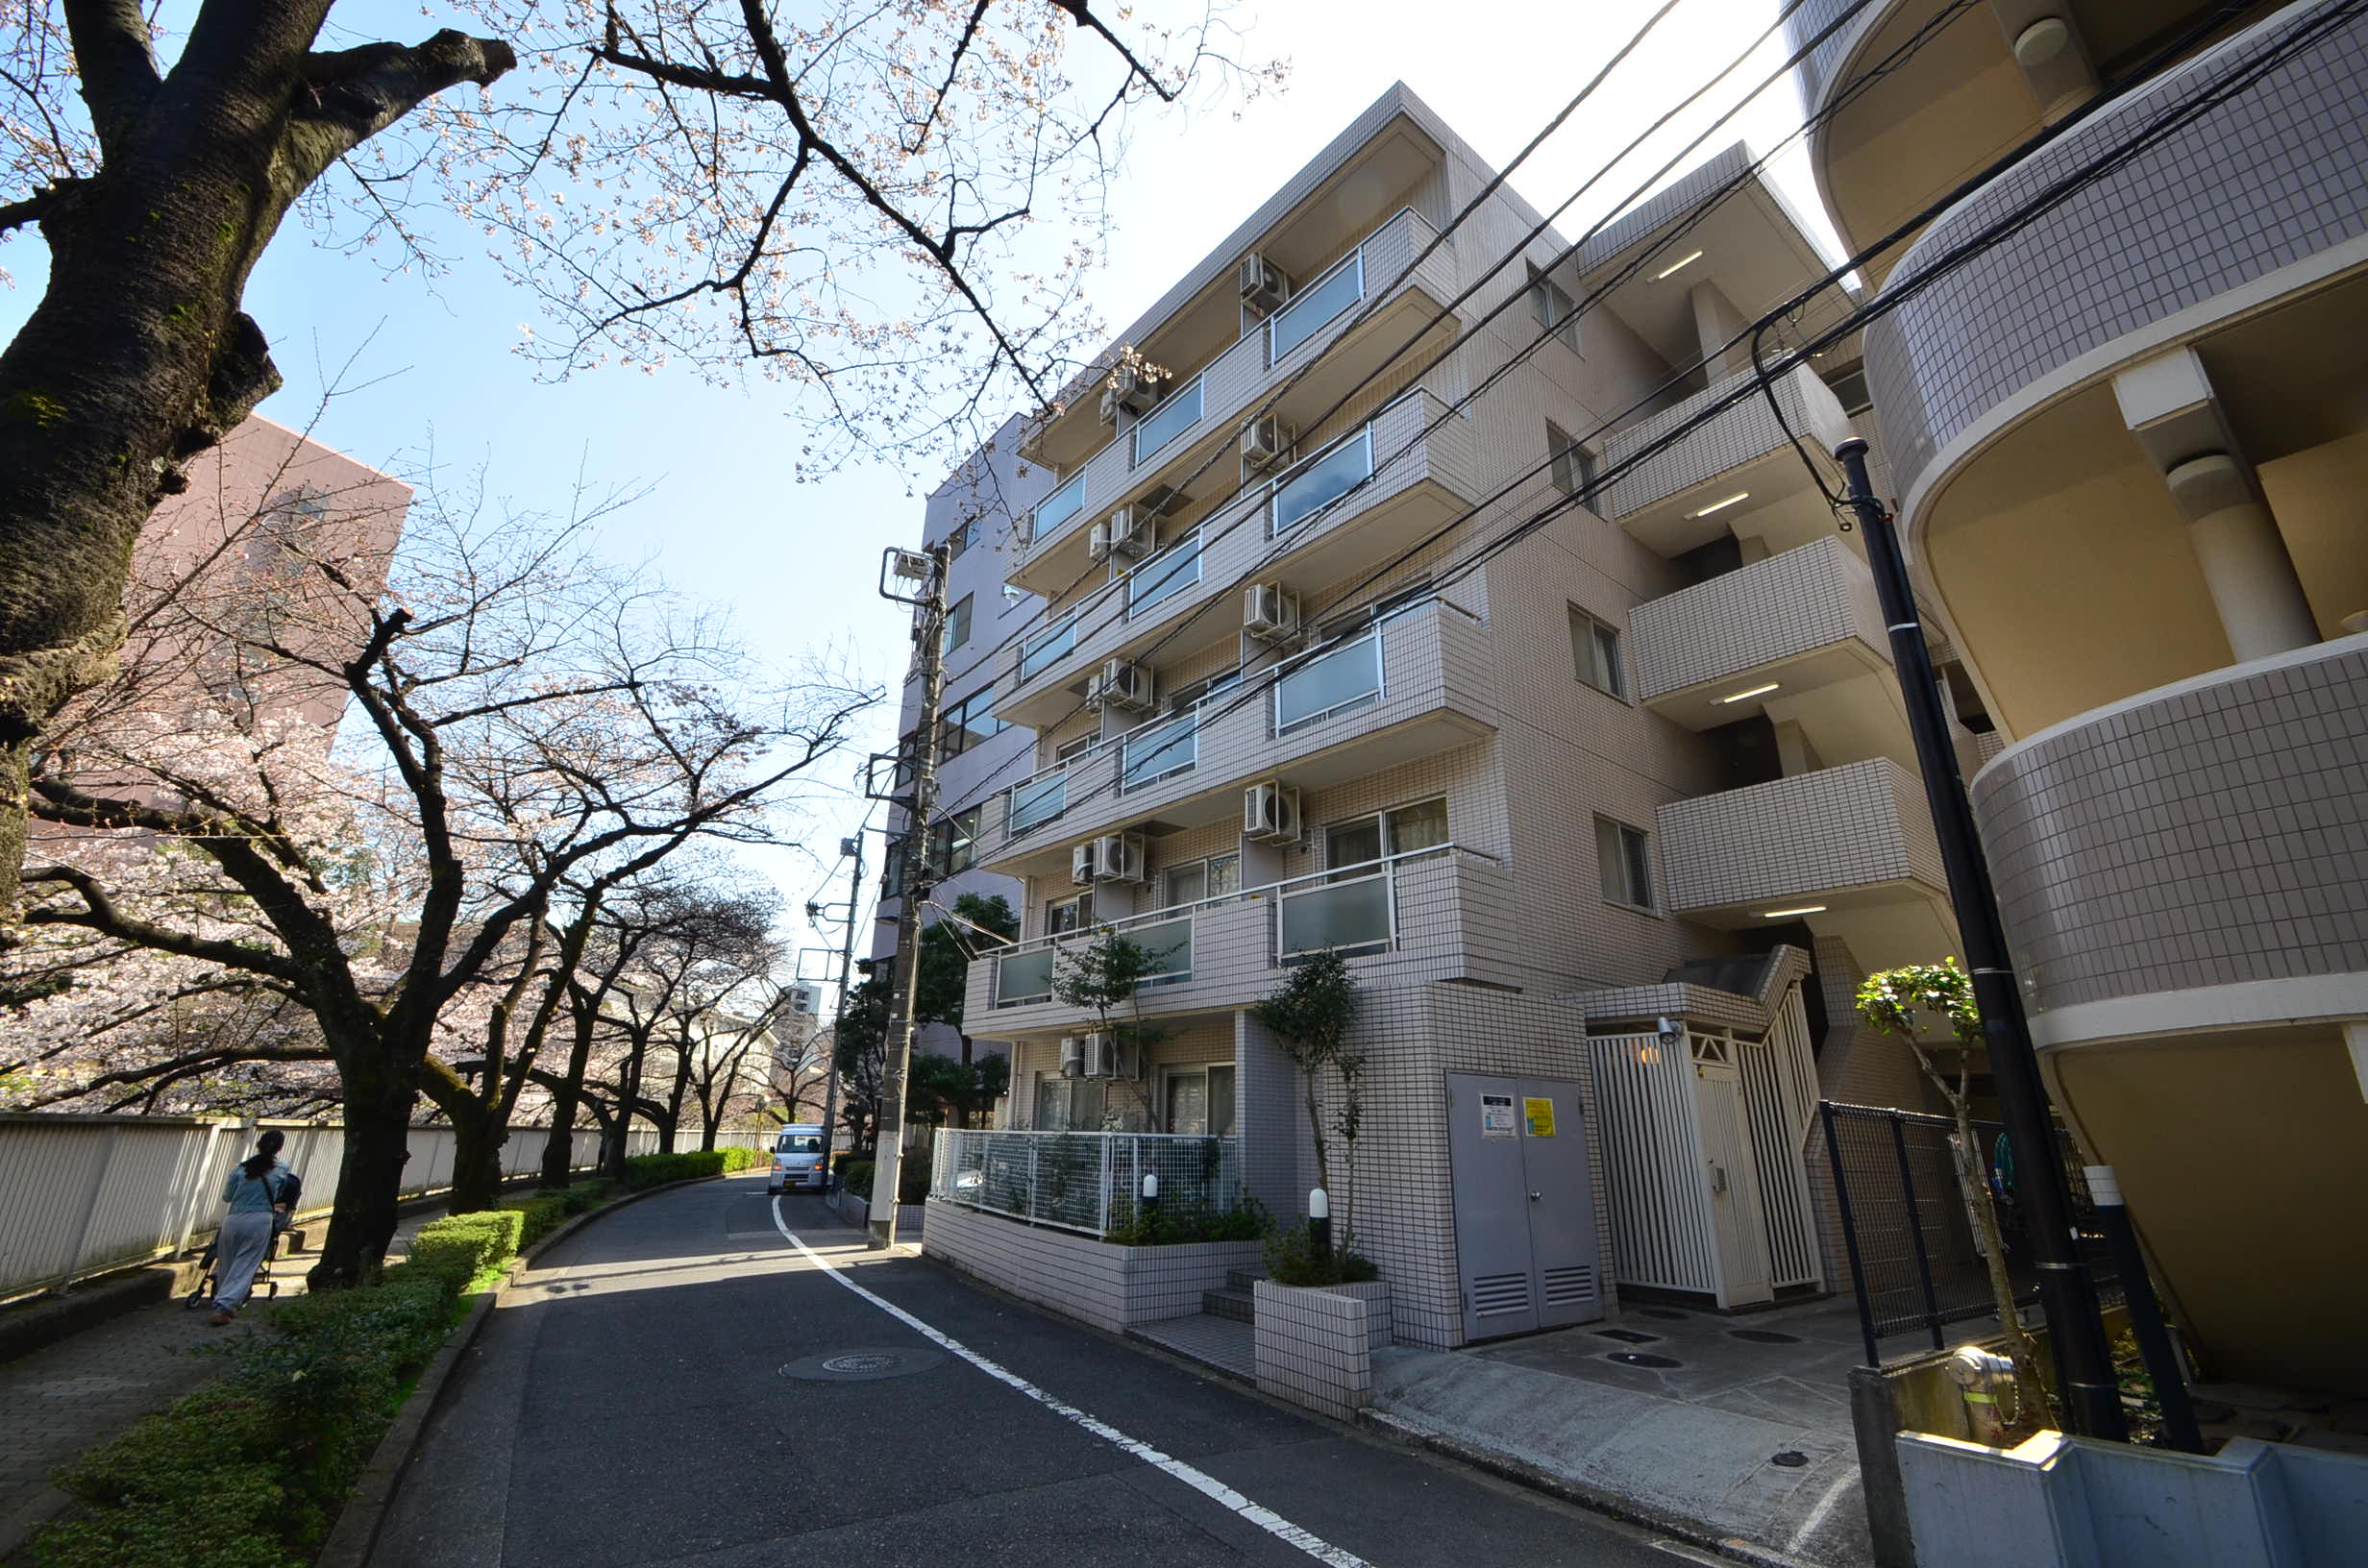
(1229, 386)
(1310, 486)
(1164, 575)
(1348, 676)
(1048, 647)
(1353, 915)
(1038, 800)
(1084, 1181)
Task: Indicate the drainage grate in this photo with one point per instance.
(1763, 1337)
(861, 1365)
(1640, 1357)
(1629, 1336)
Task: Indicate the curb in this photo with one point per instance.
(357, 1530)
(1595, 1500)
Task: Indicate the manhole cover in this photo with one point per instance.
(1666, 1314)
(1629, 1336)
(1791, 1458)
(861, 1365)
(1763, 1337)
(1640, 1357)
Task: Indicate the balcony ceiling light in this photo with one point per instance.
(2040, 42)
(1720, 505)
(1756, 691)
(1677, 266)
(1780, 914)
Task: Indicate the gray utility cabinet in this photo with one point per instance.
(1525, 1241)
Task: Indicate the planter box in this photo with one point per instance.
(1316, 1343)
(855, 1210)
(1081, 1276)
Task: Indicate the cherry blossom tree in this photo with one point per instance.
(887, 203)
(522, 716)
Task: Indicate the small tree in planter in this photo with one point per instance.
(1101, 976)
(1311, 1016)
(1897, 1002)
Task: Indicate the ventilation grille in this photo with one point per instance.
(1565, 1287)
(1493, 1295)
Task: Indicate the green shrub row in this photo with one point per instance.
(250, 1470)
(855, 1176)
(1245, 1221)
(1292, 1257)
(657, 1169)
(546, 1212)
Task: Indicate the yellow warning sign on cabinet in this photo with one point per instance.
(1540, 1113)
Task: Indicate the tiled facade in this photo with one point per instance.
(1314, 1347)
(1114, 1289)
(1836, 830)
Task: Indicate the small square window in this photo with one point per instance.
(1571, 465)
(1594, 651)
(1625, 862)
(1552, 308)
(957, 630)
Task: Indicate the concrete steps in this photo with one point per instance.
(1231, 1302)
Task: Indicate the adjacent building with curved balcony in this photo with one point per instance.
(1412, 584)
(2118, 390)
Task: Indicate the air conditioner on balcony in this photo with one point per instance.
(1263, 283)
(1108, 408)
(1264, 441)
(1270, 812)
(1271, 611)
(1118, 857)
(1121, 683)
(1081, 866)
(1129, 532)
(1133, 391)
(1072, 1055)
(1109, 1057)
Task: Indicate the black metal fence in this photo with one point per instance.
(1913, 1260)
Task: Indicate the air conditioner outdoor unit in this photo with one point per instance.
(1132, 390)
(1118, 857)
(1263, 283)
(1271, 611)
(1121, 683)
(1072, 1055)
(1270, 812)
(1081, 866)
(1108, 408)
(1263, 442)
(1130, 531)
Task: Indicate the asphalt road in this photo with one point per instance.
(654, 1393)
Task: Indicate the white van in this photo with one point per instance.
(798, 1163)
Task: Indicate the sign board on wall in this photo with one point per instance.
(1496, 1115)
(1540, 1113)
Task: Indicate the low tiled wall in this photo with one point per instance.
(1080, 1276)
(1315, 1346)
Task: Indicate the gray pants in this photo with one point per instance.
(239, 1252)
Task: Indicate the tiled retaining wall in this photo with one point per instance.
(1314, 1347)
(1080, 1276)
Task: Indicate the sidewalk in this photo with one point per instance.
(76, 1394)
(1747, 1436)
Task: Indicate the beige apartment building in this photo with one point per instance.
(1608, 814)
(2128, 449)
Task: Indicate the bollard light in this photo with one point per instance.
(1320, 1219)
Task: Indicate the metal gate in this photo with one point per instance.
(1527, 1252)
(1731, 1176)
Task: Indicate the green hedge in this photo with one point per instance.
(546, 1212)
(468, 1245)
(657, 1169)
(856, 1177)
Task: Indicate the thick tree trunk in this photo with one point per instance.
(477, 1138)
(378, 1128)
(566, 1099)
(707, 1136)
(612, 1165)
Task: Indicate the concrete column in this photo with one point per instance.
(1717, 321)
(2253, 581)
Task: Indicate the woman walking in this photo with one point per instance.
(259, 1190)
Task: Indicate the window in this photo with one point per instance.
(957, 627)
(1360, 840)
(961, 540)
(967, 724)
(1552, 308)
(1063, 915)
(1082, 1105)
(1595, 648)
(1573, 466)
(1075, 745)
(1625, 862)
(1199, 1100)
(1850, 388)
(1211, 878)
(953, 842)
(892, 871)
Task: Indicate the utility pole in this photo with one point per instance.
(928, 633)
(2083, 1355)
(847, 974)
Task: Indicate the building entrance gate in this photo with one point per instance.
(1526, 1250)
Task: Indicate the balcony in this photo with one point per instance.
(1802, 622)
(1374, 490)
(1353, 317)
(1085, 1182)
(1400, 920)
(1736, 474)
(1420, 681)
(1849, 850)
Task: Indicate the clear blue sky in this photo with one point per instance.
(797, 562)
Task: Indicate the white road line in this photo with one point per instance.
(1824, 1509)
(1200, 1481)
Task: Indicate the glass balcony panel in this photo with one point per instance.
(1058, 507)
(1169, 945)
(1048, 648)
(1024, 977)
(1038, 800)
(1165, 575)
(1323, 481)
(1157, 751)
(1344, 915)
(1169, 420)
(1314, 305)
(1321, 687)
